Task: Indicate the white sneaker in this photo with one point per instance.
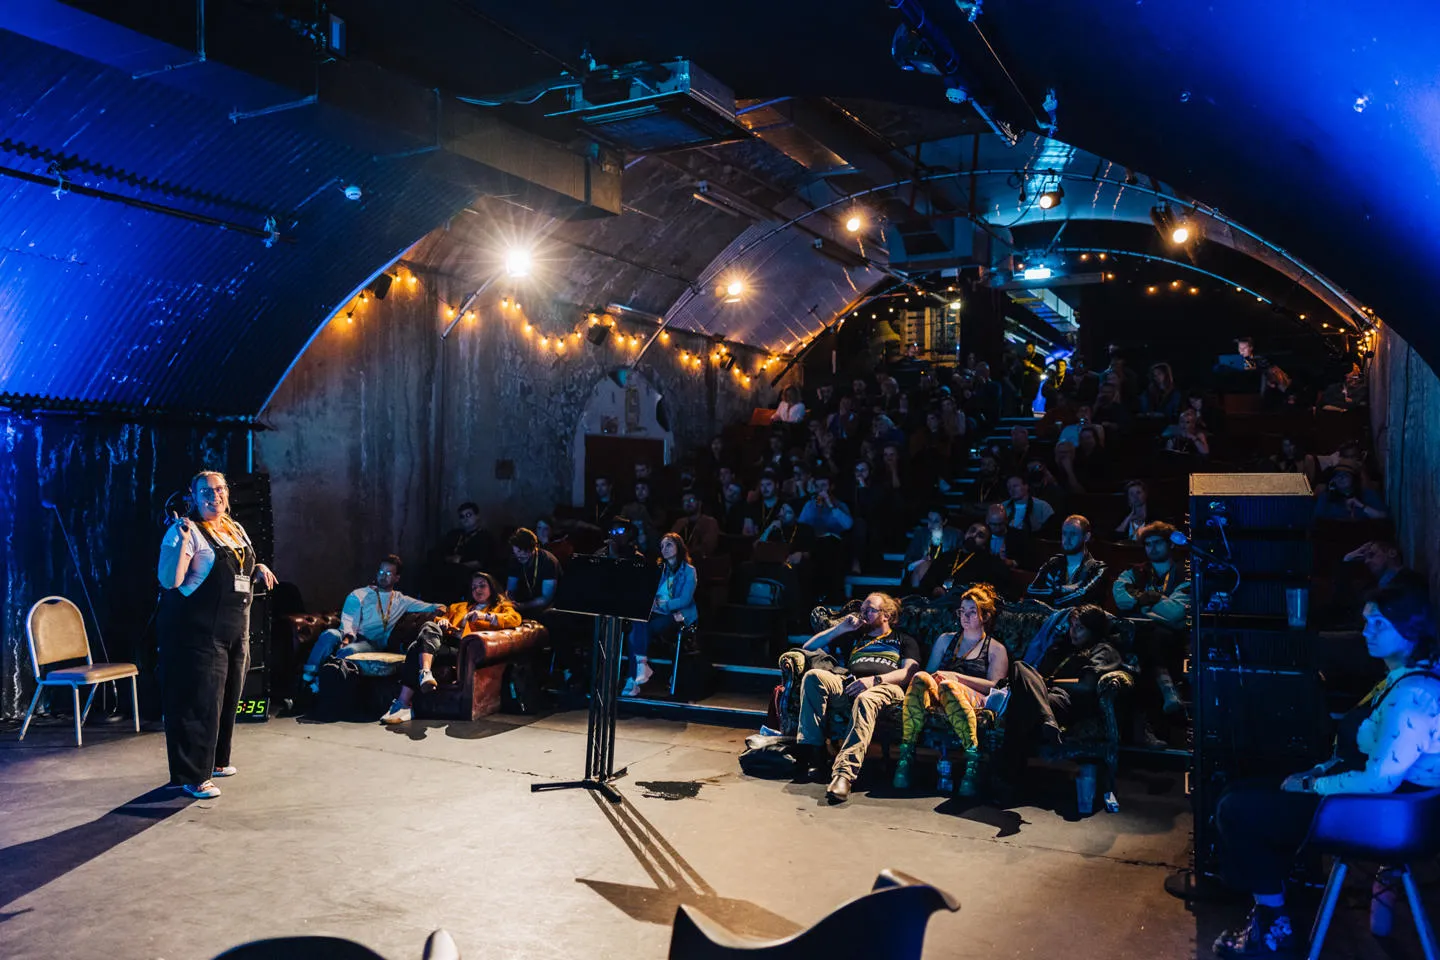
(631, 688)
(427, 681)
(202, 791)
(229, 771)
(997, 699)
(643, 674)
(398, 713)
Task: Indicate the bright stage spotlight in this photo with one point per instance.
(854, 223)
(1050, 199)
(517, 263)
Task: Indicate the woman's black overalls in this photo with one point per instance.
(204, 650)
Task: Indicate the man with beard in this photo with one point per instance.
(953, 572)
(1071, 577)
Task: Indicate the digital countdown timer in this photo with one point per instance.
(254, 709)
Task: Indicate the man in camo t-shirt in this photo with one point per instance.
(879, 662)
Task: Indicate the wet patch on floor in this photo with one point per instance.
(671, 789)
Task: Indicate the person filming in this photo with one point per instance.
(207, 569)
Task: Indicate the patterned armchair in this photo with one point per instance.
(1093, 739)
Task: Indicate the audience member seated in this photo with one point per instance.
(1345, 498)
(620, 542)
(1084, 417)
(1160, 398)
(791, 408)
(647, 518)
(1277, 389)
(1186, 437)
(699, 531)
(1292, 458)
(1014, 457)
(845, 423)
(831, 521)
(1010, 544)
(1109, 407)
(1065, 467)
(765, 507)
(1383, 561)
(776, 456)
(1023, 511)
(366, 618)
(1157, 594)
(1349, 394)
(673, 609)
(487, 609)
(604, 506)
(715, 454)
(824, 405)
(1137, 498)
(972, 563)
(988, 481)
(963, 669)
(878, 661)
(931, 541)
(1056, 685)
(534, 573)
(467, 548)
(1072, 576)
(1387, 743)
(558, 544)
(734, 511)
(1348, 454)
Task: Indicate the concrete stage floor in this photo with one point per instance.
(381, 835)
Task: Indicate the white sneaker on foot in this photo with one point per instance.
(398, 713)
(631, 688)
(427, 681)
(202, 791)
(643, 673)
(228, 771)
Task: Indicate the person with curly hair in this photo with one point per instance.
(963, 668)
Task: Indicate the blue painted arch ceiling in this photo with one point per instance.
(1315, 123)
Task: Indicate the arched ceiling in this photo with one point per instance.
(1308, 129)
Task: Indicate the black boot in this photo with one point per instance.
(1267, 933)
(812, 763)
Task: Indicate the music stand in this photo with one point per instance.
(609, 591)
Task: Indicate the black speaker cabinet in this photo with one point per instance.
(1246, 711)
(1250, 501)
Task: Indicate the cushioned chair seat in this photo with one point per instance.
(378, 664)
(93, 673)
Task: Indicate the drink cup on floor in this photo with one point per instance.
(1297, 607)
(1085, 789)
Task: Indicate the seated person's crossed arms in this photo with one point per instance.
(367, 617)
(879, 661)
(487, 609)
(1072, 576)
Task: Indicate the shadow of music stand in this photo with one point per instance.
(611, 591)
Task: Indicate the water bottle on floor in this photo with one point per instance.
(1085, 789)
(946, 784)
(1383, 893)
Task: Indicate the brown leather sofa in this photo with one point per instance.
(487, 660)
(470, 687)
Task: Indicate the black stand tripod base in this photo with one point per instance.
(600, 732)
(1185, 884)
(606, 790)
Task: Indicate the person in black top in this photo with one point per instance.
(620, 542)
(466, 549)
(207, 569)
(533, 574)
(1060, 686)
(963, 668)
(879, 661)
(604, 507)
(972, 563)
(734, 511)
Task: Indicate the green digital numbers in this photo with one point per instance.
(251, 708)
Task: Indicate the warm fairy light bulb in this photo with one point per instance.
(664, 337)
(854, 223)
(449, 312)
(528, 328)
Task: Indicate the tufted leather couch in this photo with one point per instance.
(1094, 738)
(486, 662)
(471, 686)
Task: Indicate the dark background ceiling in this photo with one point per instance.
(1317, 124)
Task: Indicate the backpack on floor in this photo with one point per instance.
(342, 696)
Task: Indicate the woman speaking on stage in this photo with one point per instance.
(208, 569)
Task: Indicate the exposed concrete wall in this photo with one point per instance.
(1405, 408)
(382, 428)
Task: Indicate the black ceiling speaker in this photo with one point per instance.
(597, 334)
(380, 286)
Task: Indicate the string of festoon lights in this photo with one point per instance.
(569, 342)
